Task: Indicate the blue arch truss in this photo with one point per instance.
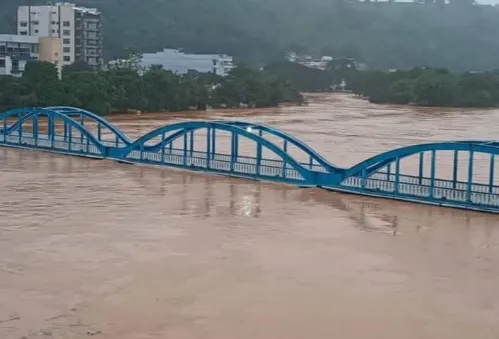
(256, 151)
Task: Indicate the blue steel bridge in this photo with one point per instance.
(468, 178)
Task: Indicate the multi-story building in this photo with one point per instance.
(15, 52)
(79, 28)
(49, 49)
(181, 63)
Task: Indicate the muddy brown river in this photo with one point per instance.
(93, 248)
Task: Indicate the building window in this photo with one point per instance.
(23, 24)
(35, 22)
(2, 63)
(24, 33)
(54, 22)
(66, 32)
(67, 58)
(66, 50)
(66, 41)
(53, 31)
(66, 24)
(54, 13)
(36, 31)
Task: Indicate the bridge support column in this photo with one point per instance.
(284, 164)
(208, 147)
(389, 172)
(82, 122)
(432, 175)
(397, 175)
(491, 173)
(35, 128)
(455, 169)
(258, 155)
(142, 151)
(185, 149)
(51, 130)
(5, 129)
(213, 143)
(99, 132)
(65, 131)
(470, 177)
(234, 151)
(421, 167)
(163, 147)
(70, 136)
(191, 140)
(363, 178)
(20, 134)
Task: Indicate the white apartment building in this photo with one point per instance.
(15, 52)
(79, 28)
(181, 63)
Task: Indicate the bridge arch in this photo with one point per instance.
(383, 159)
(120, 138)
(323, 165)
(33, 113)
(181, 130)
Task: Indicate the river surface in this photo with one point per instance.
(101, 249)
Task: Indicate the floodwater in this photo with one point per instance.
(101, 249)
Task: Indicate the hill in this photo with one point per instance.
(385, 35)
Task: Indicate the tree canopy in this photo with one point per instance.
(122, 89)
(458, 36)
(428, 87)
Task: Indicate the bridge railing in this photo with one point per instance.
(217, 162)
(442, 190)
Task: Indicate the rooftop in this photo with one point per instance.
(93, 11)
(19, 38)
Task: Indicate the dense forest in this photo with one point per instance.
(121, 89)
(458, 36)
(418, 86)
(429, 87)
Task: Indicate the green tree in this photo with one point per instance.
(434, 89)
(44, 79)
(88, 90)
(401, 91)
(15, 92)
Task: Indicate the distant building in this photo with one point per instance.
(324, 62)
(181, 63)
(79, 28)
(49, 49)
(309, 61)
(17, 50)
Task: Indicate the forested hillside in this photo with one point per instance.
(385, 35)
